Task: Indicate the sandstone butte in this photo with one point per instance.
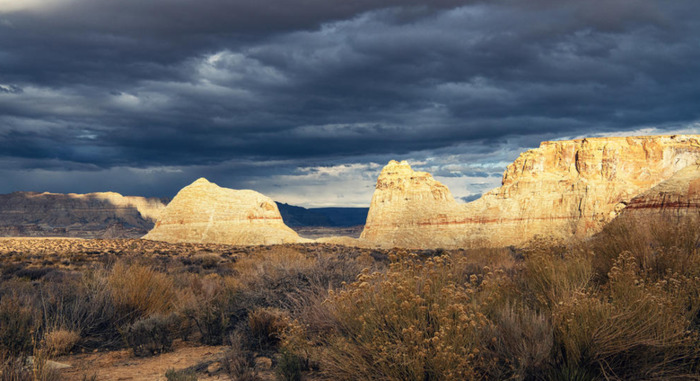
(203, 212)
(91, 215)
(562, 189)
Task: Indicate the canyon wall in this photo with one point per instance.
(203, 212)
(92, 215)
(562, 189)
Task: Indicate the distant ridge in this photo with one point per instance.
(297, 216)
(91, 215)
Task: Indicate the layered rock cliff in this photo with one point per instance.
(672, 200)
(92, 215)
(562, 189)
(203, 212)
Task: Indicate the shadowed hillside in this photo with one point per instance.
(92, 215)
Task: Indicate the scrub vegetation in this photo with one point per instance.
(622, 305)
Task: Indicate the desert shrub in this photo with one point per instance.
(16, 326)
(181, 375)
(151, 335)
(521, 343)
(207, 261)
(60, 341)
(33, 273)
(266, 327)
(140, 290)
(658, 245)
(238, 362)
(281, 276)
(211, 304)
(84, 305)
(16, 340)
(289, 366)
(632, 330)
(413, 322)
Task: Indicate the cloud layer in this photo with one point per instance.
(146, 96)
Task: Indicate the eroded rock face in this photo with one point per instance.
(672, 200)
(562, 189)
(203, 212)
(92, 215)
(411, 209)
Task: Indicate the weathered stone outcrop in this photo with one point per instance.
(672, 200)
(203, 212)
(92, 215)
(562, 189)
(411, 209)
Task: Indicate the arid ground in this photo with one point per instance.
(622, 305)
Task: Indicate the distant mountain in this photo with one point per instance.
(92, 215)
(111, 215)
(343, 217)
(297, 216)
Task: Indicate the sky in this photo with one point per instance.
(306, 100)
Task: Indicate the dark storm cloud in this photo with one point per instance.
(103, 86)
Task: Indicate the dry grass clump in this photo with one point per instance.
(521, 343)
(267, 326)
(211, 304)
(140, 289)
(59, 342)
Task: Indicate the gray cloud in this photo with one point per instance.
(111, 89)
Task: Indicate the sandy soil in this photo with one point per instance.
(122, 365)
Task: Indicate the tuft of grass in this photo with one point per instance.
(60, 341)
(140, 290)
